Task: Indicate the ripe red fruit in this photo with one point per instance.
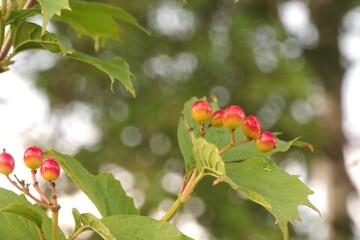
(265, 142)
(216, 118)
(50, 170)
(201, 111)
(233, 117)
(251, 127)
(33, 157)
(7, 163)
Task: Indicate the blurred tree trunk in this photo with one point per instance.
(326, 59)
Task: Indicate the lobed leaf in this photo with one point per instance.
(49, 8)
(22, 220)
(117, 68)
(267, 184)
(97, 20)
(141, 228)
(103, 189)
(27, 36)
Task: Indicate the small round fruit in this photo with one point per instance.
(33, 157)
(265, 142)
(201, 111)
(50, 170)
(7, 163)
(251, 127)
(216, 118)
(233, 117)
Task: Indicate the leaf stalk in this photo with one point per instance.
(184, 195)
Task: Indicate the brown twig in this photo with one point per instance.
(5, 48)
(37, 188)
(24, 189)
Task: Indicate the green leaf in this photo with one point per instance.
(97, 20)
(207, 157)
(117, 68)
(141, 228)
(103, 189)
(267, 184)
(184, 139)
(86, 221)
(26, 36)
(49, 8)
(22, 220)
(22, 210)
(23, 14)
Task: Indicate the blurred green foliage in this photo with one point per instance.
(240, 53)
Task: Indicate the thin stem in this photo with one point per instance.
(202, 129)
(185, 193)
(6, 45)
(172, 211)
(41, 233)
(2, 21)
(55, 224)
(55, 213)
(14, 183)
(77, 232)
(232, 136)
(29, 4)
(232, 142)
(37, 188)
(25, 190)
(3, 7)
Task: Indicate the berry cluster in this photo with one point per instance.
(33, 159)
(233, 117)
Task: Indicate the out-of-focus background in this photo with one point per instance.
(294, 64)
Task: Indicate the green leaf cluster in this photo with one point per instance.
(246, 169)
(95, 20)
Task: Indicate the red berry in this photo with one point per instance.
(201, 111)
(233, 117)
(7, 163)
(216, 118)
(265, 142)
(33, 157)
(251, 127)
(50, 170)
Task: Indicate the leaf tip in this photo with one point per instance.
(304, 144)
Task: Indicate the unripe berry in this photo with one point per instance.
(251, 127)
(216, 118)
(7, 163)
(233, 117)
(265, 142)
(201, 111)
(50, 170)
(33, 157)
